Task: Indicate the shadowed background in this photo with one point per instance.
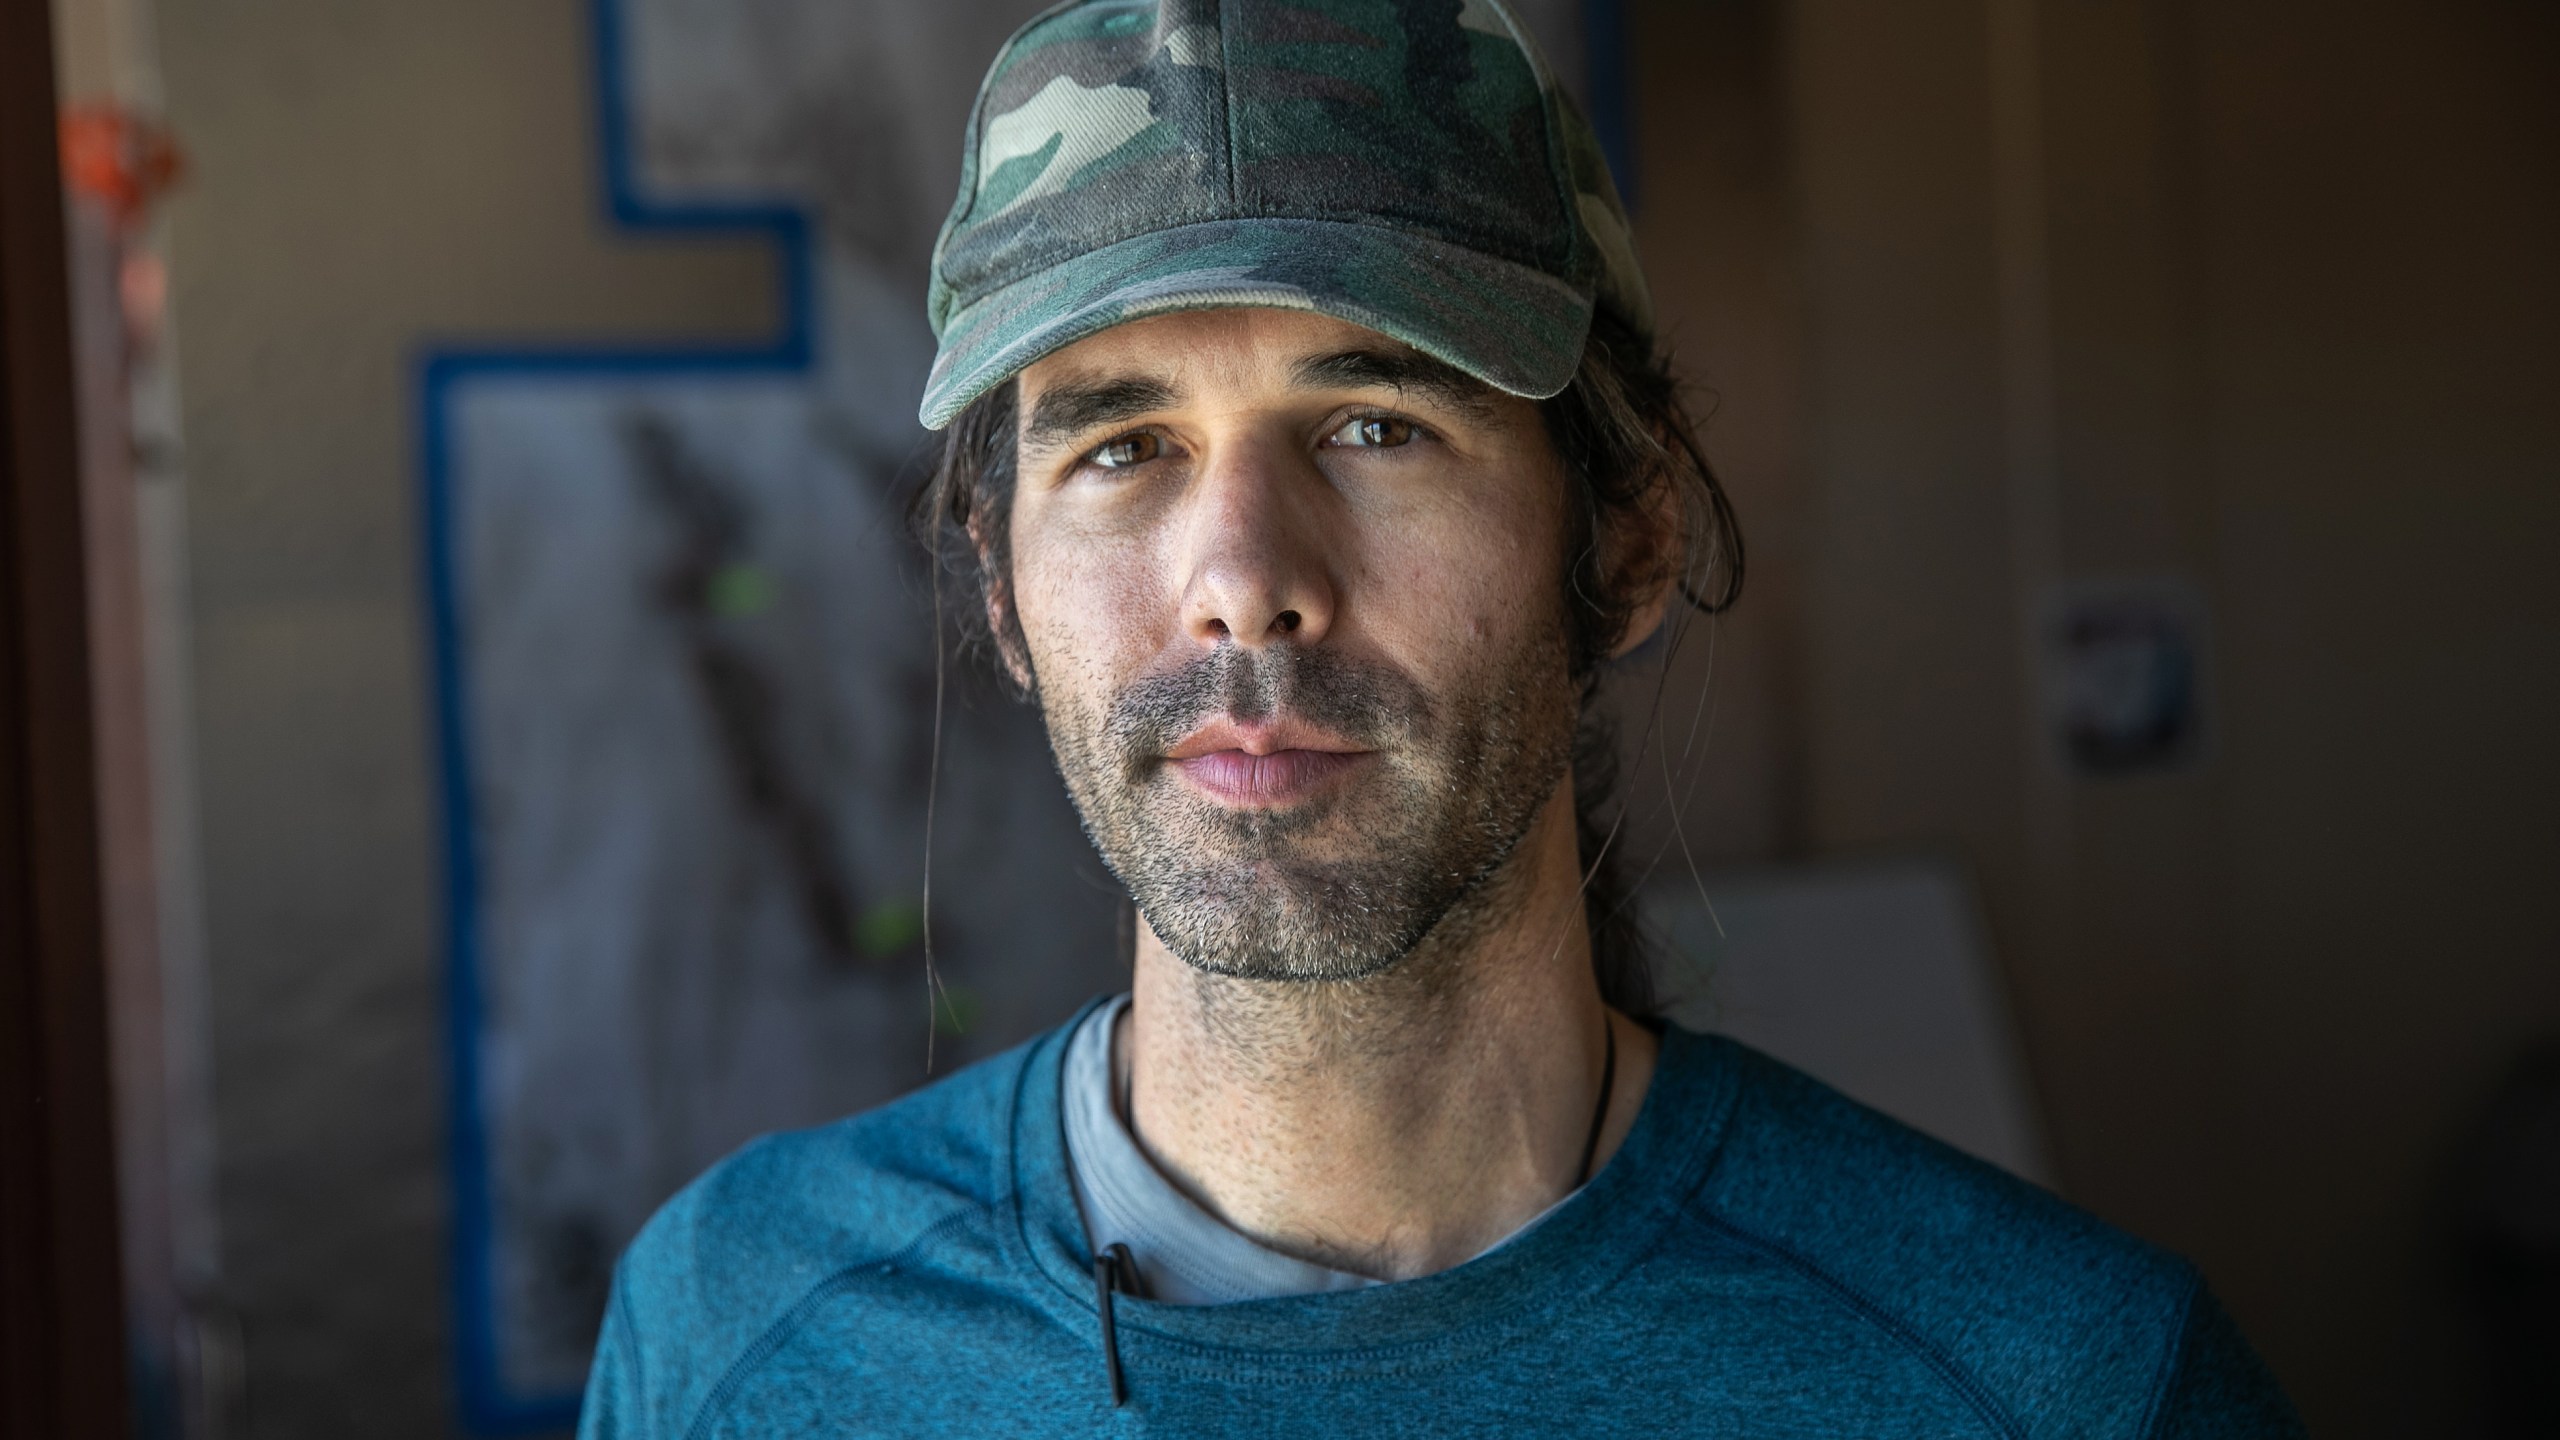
(2021, 322)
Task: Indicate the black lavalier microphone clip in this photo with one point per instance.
(1115, 1271)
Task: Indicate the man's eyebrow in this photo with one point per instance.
(1075, 405)
(1395, 370)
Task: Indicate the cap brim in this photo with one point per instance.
(1511, 326)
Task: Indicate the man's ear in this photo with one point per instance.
(1647, 557)
(996, 584)
(1007, 633)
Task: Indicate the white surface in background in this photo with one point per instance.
(1874, 977)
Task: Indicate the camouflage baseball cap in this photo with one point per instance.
(1406, 165)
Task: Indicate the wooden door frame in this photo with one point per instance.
(62, 1343)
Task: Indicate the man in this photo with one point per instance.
(1311, 454)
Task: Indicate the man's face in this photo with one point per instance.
(1293, 600)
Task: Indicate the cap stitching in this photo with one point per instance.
(1227, 119)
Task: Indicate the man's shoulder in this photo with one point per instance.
(768, 1229)
(853, 1184)
(2011, 1293)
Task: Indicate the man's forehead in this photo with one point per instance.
(1166, 361)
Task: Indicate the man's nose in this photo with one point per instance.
(1257, 568)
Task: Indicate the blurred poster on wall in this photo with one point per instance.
(688, 679)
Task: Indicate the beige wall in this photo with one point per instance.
(1715, 223)
(364, 176)
(2263, 296)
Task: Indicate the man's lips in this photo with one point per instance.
(1263, 764)
(1241, 778)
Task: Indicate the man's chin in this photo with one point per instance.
(1283, 966)
(1266, 920)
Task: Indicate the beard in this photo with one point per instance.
(1346, 883)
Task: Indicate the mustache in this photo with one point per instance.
(1369, 703)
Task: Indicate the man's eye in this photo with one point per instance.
(1374, 432)
(1126, 451)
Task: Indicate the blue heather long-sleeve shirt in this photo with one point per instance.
(1762, 1258)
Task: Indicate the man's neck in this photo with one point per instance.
(1402, 1124)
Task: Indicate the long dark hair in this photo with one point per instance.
(1630, 450)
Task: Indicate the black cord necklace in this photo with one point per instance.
(1600, 1110)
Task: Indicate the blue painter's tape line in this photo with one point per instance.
(486, 1404)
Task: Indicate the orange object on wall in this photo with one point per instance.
(118, 158)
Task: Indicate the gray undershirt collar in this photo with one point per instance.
(1185, 1255)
